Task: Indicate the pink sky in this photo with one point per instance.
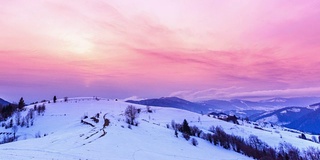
(187, 48)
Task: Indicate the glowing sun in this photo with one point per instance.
(78, 44)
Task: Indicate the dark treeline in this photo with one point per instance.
(7, 111)
(251, 147)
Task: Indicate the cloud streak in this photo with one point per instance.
(238, 93)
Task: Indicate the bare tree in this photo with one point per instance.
(173, 125)
(131, 114)
(14, 130)
(31, 113)
(176, 133)
(27, 120)
(18, 118)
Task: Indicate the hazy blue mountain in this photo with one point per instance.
(242, 108)
(307, 123)
(287, 102)
(3, 102)
(173, 102)
(282, 116)
(276, 103)
(295, 113)
(234, 104)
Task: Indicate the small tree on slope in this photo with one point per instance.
(185, 127)
(131, 114)
(54, 99)
(21, 104)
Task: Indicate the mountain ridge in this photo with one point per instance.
(3, 102)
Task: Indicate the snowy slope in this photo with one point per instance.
(67, 138)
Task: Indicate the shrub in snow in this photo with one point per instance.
(195, 131)
(208, 137)
(194, 142)
(149, 109)
(6, 139)
(233, 118)
(106, 122)
(303, 136)
(212, 129)
(97, 115)
(186, 136)
(37, 135)
(96, 120)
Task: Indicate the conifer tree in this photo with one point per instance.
(21, 104)
(54, 99)
(185, 127)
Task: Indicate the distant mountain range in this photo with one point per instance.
(238, 107)
(270, 104)
(3, 102)
(282, 116)
(296, 113)
(306, 119)
(173, 102)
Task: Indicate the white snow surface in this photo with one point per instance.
(67, 138)
(284, 112)
(294, 110)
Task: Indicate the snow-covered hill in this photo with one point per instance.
(67, 138)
